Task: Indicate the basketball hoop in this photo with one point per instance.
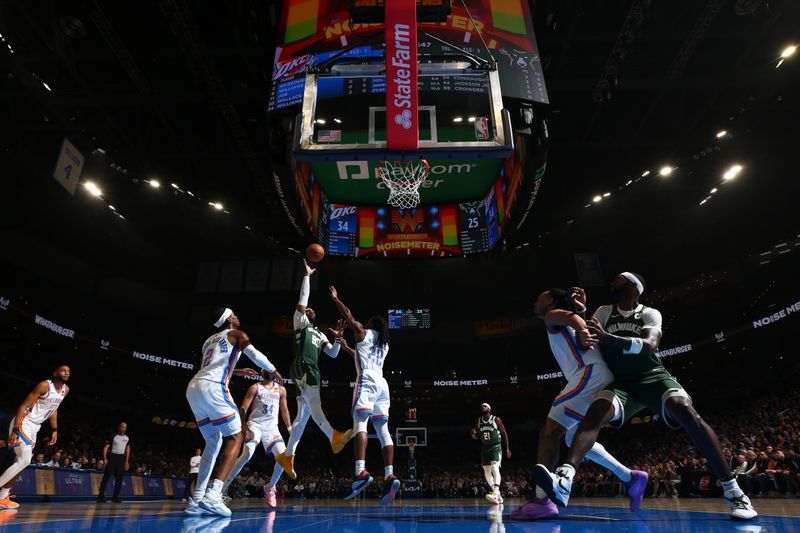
(411, 442)
(403, 179)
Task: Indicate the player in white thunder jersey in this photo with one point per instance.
(40, 405)
(216, 414)
(264, 401)
(586, 373)
(370, 398)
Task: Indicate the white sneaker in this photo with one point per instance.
(226, 499)
(557, 486)
(491, 497)
(217, 507)
(192, 508)
(741, 508)
(499, 498)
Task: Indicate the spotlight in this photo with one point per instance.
(93, 189)
(721, 134)
(665, 171)
(788, 51)
(597, 199)
(174, 185)
(645, 173)
(471, 119)
(321, 121)
(112, 207)
(732, 172)
(154, 184)
(606, 195)
(458, 119)
(216, 205)
(714, 190)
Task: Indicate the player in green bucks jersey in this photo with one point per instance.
(304, 371)
(629, 334)
(490, 432)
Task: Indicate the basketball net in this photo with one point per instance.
(403, 179)
(411, 442)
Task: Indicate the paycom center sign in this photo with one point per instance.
(357, 182)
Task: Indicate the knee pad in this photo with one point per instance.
(360, 423)
(381, 426)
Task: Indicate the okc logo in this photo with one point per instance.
(404, 119)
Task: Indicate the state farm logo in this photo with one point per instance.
(401, 70)
(340, 212)
(290, 67)
(404, 119)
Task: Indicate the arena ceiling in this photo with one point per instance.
(175, 91)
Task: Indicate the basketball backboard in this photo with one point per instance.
(460, 112)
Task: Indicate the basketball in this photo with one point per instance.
(315, 253)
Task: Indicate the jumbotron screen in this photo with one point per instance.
(409, 318)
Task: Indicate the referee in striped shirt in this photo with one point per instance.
(116, 453)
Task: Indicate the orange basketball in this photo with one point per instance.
(315, 253)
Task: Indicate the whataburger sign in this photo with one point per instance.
(402, 129)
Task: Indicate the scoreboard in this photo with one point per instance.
(407, 318)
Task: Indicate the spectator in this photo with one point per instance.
(55, 460)
(194, 469)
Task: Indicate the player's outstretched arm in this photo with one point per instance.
(355, 325)
(240, 339)
(333, 349)
(300, 320)
(346, 347)
(38, 391)
(473, 431)
(247, 401)
(502, 428)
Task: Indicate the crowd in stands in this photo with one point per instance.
(761, 441)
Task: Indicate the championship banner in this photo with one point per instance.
(402, 121)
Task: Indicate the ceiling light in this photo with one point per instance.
(154, 184)
(458, 119)
(645, 173)
(216, 205)
(732, 172)
(606, 195)
(337, 120)
(788, 51)
(174, 185)
(704, 201)
(93, 189)
(47, 87)
(190, 193)
(112, 207)
(665, 171)
(321, 121)
(713, 190)
(597, 199)
(721, 134)
(471, 119)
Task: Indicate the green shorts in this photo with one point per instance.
(634, 396)
(491, 456)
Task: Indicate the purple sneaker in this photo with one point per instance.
(636, 487)
(535, 509)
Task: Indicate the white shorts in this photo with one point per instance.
(211, 404)
(571, 404)
(27, 431)
(371, 397)
(269, 437)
